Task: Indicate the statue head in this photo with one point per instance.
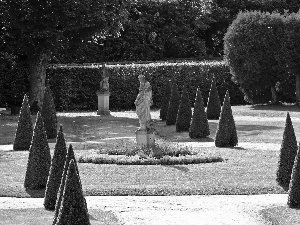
(142, 78)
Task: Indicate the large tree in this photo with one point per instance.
(36, 29)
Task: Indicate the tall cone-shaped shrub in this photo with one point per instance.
(184, 112)
(165, 101)
(70, 156)
(213, 108)
(56, 171)
(24, 131)
(72, 209)
(199, 124)
(173, 105)
(287, 155)
(39, 159)
(226, 135)
(294, 187)
(49, 114)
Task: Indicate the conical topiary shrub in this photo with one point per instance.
(49, 114)
(287, 155)
(213, 108)
(294, 187)
(199, 124)
(39, 159)
(173, 105)
(226, 135)
(184, 112)
(165, 101)
(73, 205)
(24, 131)
(70, 156)
(56, 171)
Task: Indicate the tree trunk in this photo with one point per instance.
(297, 89)
(37, 68)
(274, 95)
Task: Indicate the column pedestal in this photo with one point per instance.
(143, 138)
(103, 103)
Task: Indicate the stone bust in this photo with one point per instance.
(104, 85)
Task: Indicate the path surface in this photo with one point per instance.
(173, 210)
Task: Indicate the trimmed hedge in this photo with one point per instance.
(74, 87)
(184, 114)
(173, 105)
(294, 187)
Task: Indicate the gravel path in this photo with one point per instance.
(173, 210)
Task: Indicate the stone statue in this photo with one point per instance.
(104, 85)
(143, 102)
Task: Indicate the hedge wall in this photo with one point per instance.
(75, 87)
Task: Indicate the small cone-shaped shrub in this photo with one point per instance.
(39, 159)
(199, 124)
(56, 171)
(173, 105)
(165, 101)
(70, 156)
(294, 187)
(287, 155)
(25, 128)
(226, 135)
(49, 114)
(184, 112)
(213, 108)
(73, 205)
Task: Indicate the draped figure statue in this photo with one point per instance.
(143, 102)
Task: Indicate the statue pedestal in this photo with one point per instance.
(143, 138)
(103, 103)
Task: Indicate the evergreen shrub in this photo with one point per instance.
(294, 187)
(173, 105)
(24, 131)
(199, 124)
(184, 112)
(213, 107)
(56, 171)
(226, 135)
(39, 159)
(49, 114)
(288, 151)
(165, 101)
(73, 205)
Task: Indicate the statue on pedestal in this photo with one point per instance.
(143, 102)
(104, 85)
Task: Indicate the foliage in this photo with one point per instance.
(288, 151)
(165, 101)
(25, 128)
(184, 112)
(56, 171)
(39, 159)
(49, 114)
(253, 41)
(294, 187)
(173, 105)
(213, 107)
(72, 209)
(226, 135)
(199, 124)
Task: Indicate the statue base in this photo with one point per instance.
(143, 138)
(103, 103)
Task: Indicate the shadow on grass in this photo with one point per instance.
(181, 168)
(281, 215)
(279, 107)
(40, 193)
(249, 127)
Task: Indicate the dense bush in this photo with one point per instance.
(73, 208)
(213, 107)
(173, 105)
(226, 135)
(24, 131)
(288, 151)
(165, 101)
(184, 112)
(199, 127)
(74, 88)
(49, 114)
(294, 187)
(39, 159)
(56, 171)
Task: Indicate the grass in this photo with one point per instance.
(281, 215)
